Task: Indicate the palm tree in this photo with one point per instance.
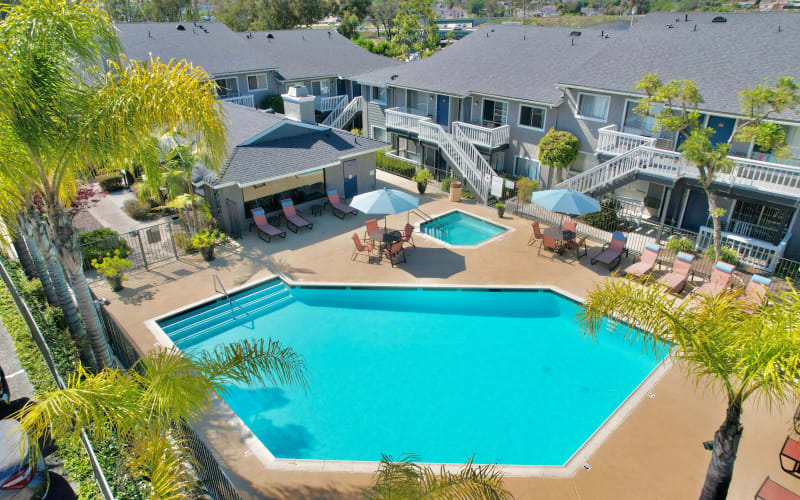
(70, 117)
(742, 351)
(145, 405)
(404, 479)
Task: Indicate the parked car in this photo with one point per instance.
(23, 473)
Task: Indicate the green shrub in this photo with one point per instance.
(113, 264)
(679, 244)
(207, 238)
(272, 101)
(729, 255)
(97, 243)
(606, 219)
(111, 182)
(136, 210)
(424, 176)
(356, 131)
(446, 184)
(394, 166)
(183, 242)
(525, 188)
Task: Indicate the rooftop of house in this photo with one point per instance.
(265, 146)
(210, 45)
(314, 53)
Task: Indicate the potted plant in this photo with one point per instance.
(501, 209)
(113, 267)
(205, 240)
(422, 178)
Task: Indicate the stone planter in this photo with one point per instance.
(114, 282)
(501, 211)
(207, 253)
(421, 187)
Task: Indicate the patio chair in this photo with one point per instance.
(372, 225)
(339, 209)
(395, 250)
(719, 281)
(407, 235)
(757, 289)
(612, 255)
(569, 225)
(264, 227)
(770, 490)
(550, 244)
(676, 279)
(576, 245)
(361, 248)
(536, 234)
(790, 457)
(646, 263)
(292, 219)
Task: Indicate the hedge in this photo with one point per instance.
(394, 166)
(97, 243)
(111, 182)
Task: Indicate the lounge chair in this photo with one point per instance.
(550, 244)
(264, 227)
(361, 248)
(676, 279)
(536, 234)
(790, 457)
(292, 219)
(612, 255)
(407, 235)
(372, 225)
(757, 289)
(395, 250)
(646, 263)
(576, 245)
(339, 209)
(770, 490)
(719, 281)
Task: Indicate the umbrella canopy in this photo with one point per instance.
(566, 201)
(384, 201)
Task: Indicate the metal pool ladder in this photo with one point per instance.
(427, 219)
(230, 302)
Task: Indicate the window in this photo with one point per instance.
(497, 160)
(257, 82)
(409, 148)
(635, 123)
(495, 113)
(526, 167)
(379, 94)
(227, 87)
(593, 107)
(379, 134)
(417, 103)
(531, 117)
(321, 88)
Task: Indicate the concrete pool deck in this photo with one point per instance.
(655, 453)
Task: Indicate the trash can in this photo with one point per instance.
(455, 191)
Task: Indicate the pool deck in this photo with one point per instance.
(656, 452)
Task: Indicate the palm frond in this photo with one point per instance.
(162, 459)
(471, 482)
(396, 479)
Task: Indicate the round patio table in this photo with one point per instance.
(558, 234)
(385, 236)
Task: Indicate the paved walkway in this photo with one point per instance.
(656, 453)
(108, 211)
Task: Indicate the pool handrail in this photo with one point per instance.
(230, 302)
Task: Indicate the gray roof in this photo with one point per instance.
(721, 58)
(214, 47)
(522, 62)
(314, 53)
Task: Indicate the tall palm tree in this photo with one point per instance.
(70, 116)
(144, 405)
(721, 340)
(404, 479)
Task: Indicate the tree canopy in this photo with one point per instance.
(558, 149)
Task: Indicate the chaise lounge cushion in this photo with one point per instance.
(647, 262)
(676, 279)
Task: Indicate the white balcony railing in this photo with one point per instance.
(401, 120)
(752, 251)
(328, 103)
(611, 141)
(485, 136)
(242, 100)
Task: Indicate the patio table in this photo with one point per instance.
(558, 234)
(385, 236)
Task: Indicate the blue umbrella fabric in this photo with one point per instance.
(384, 201)
(566, 201)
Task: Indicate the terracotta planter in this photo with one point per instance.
(207, 253)
(115, 283)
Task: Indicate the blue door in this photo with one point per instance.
(350, 186)
(341, 89)
(696, 213)
(356, 89)
(681, 138)
(723, 128)
(443, 110)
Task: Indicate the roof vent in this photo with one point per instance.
(719, 19)
(574, 33)
(695, 28)
(779, 28)
(180, 27)
(670, 26)
(270, 36)
(329, 34)
(394, 77)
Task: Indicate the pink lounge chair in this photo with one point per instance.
(757, 289)
(264, 227)
(719, 281)
(646, 263)
(361, 248)
(339, 209)
(407, 235)
(770, 490)
(676, 279)
(612, 255)
(292, 219)
(536, 234)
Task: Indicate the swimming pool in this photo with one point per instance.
(460, 228)
(447, 373)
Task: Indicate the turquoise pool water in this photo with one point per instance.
(458, 228)
(504, 375)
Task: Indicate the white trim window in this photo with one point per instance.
(321, 88)
(378, 94)
(257, 82)
(227, 87)
(531, 117)
(593, 107)
(417, 103)
(495, 113)
(379, 134)
(526, 167)
(634, 123)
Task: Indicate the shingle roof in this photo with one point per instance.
(215, 48)
(722, 58)
(314, 53)
(512, 61)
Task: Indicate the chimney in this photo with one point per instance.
(298, 105)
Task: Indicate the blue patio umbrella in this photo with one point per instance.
(384, 202)
(566, 201)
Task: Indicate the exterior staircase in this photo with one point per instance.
(344, 112)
